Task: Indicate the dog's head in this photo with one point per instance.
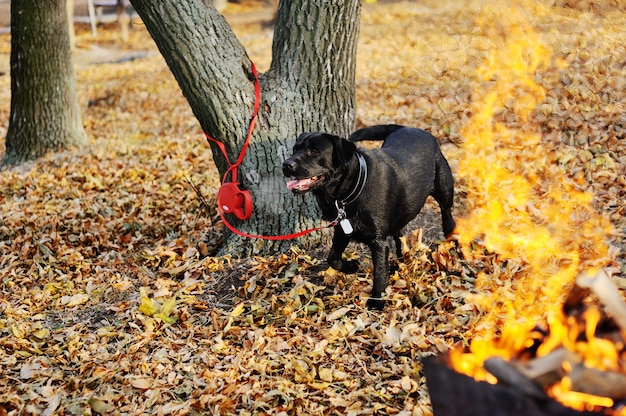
(317, 160)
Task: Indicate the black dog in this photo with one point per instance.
(371, 194)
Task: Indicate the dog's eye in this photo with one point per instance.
(312, 152)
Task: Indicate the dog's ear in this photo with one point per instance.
(343, 149)
(301, 138)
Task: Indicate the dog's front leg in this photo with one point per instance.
(380, 258)
(335, 259)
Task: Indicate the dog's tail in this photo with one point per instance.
(374, 132)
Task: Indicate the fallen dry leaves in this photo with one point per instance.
(109, 303)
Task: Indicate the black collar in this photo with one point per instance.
(358, 186)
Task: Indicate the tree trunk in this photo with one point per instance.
(44, 108)
(309, 87)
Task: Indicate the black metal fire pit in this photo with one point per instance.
(454, 394)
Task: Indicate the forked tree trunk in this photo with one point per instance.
(44, 108)
(309, 87)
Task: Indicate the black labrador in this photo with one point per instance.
(371, 194)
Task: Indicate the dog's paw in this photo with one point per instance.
(394, 266)
(349, 266)
(376, 303)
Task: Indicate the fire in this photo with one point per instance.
(524, 208)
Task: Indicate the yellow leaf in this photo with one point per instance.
(300, 366)
(94, 182)
(237, 310)
(325, 374)
(319, 385)
(77, 299)
(303, 371)
(18, 331)
(329, 273)
(43, 333)
(229, 324)
(107, 331)
(168, 306)
(166, 311)
(148, 306)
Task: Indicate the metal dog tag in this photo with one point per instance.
(343, 221)
(346, 226)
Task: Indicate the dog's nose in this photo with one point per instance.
(289, 167)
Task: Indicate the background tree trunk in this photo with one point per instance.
(44, 108)
(309, 87)
(69, 8)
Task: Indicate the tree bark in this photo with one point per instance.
(310, 87)
(45, 114)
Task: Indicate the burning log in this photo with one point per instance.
(534, 376)
(452, 393)
(577, 359)
(598, 383)
(545, 370)
(509, 374)
(608, 294)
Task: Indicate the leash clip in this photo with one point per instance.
(341, 213)
(342, 219)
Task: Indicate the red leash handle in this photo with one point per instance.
(231, 199)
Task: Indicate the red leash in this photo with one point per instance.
(233, 166)
(270, 237)
(231, 198)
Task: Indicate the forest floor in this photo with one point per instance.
(112, 300)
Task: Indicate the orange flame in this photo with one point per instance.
(522, 205)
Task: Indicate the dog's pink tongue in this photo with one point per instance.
(299, 183)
